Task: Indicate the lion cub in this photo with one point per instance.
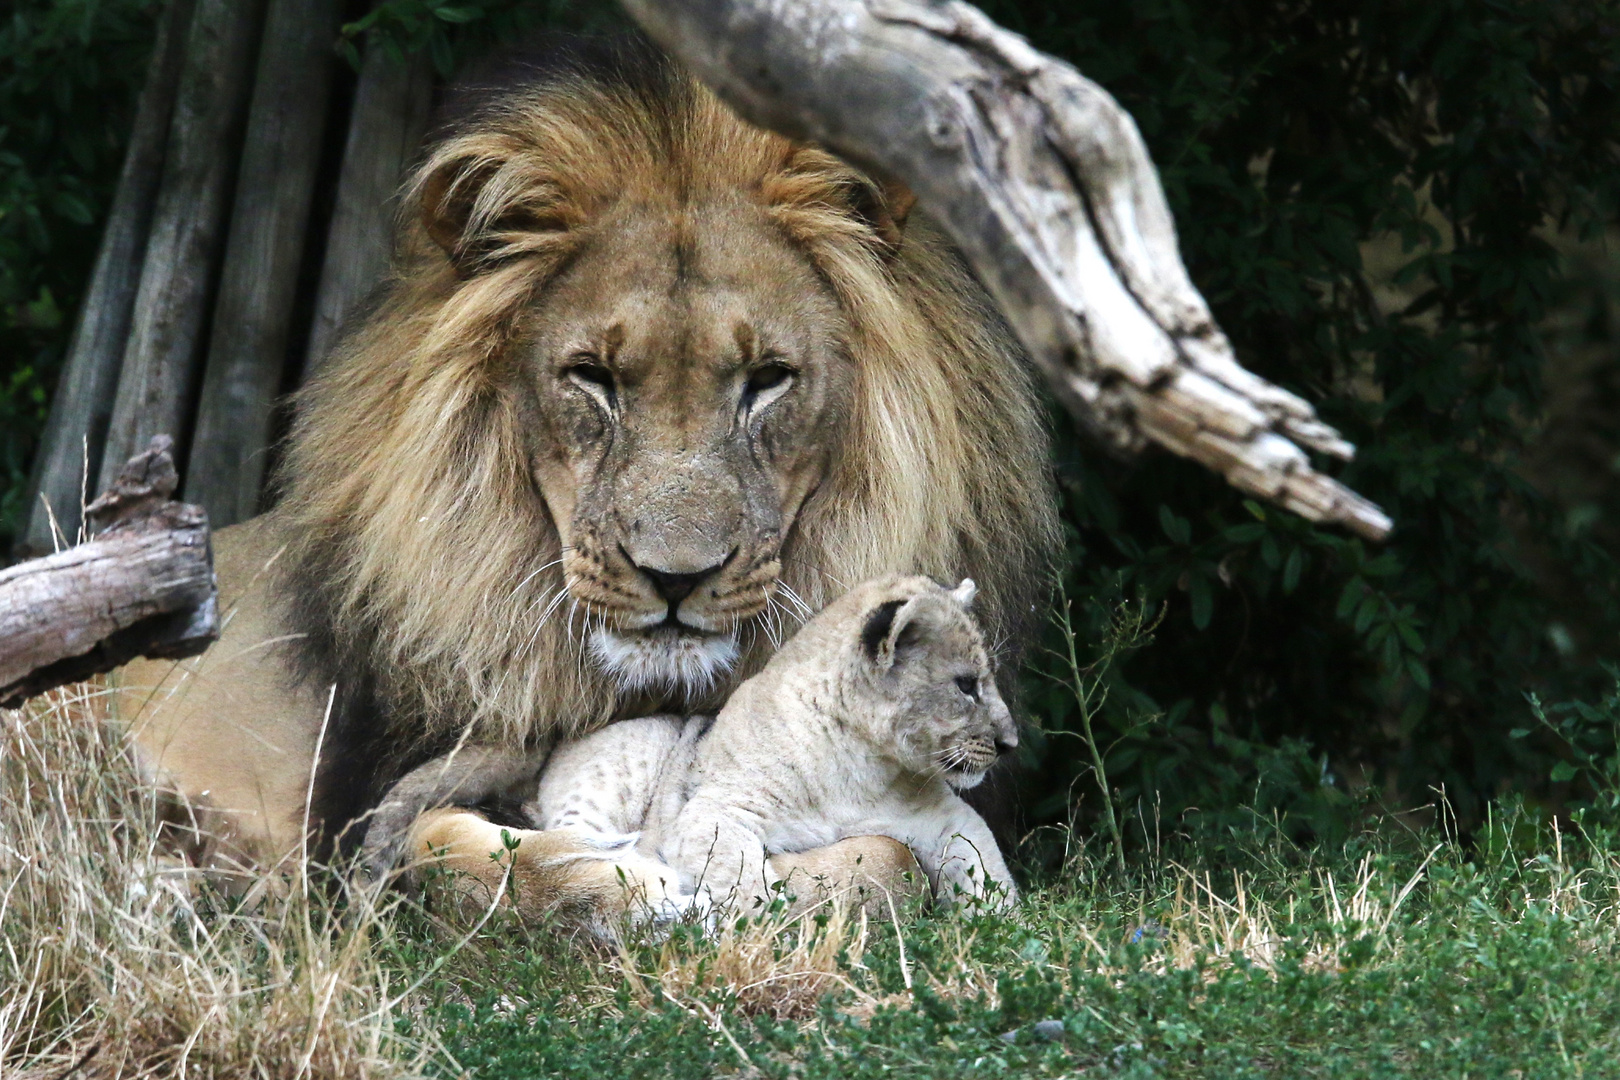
(867, 722)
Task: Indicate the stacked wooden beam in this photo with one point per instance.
(251, 216)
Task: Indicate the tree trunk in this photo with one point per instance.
(1044, 183)
(160, 360)
(143, 587)
(247, 351)
(391, 105)
(69, 457)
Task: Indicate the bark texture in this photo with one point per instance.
(159, 370)
(390, 115)
(1045, 184)
(143, 587)
(70, 450)
(253, 316)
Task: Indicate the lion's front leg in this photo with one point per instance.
(598, 879)
(876, 872)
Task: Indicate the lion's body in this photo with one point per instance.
(835, 738)
(230, 729)
(642, 377)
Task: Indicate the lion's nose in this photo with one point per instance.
(677, 587)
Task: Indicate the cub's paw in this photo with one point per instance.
(971, 892)
(680, 907)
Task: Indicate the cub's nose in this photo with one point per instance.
(672, 587)
(1006, 744)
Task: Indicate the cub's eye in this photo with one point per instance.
(766, 381)
(592, 376)
(969, 685)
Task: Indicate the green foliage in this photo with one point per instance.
(1373, 196)
(452, 31)
(1587, 744)
(69, 74)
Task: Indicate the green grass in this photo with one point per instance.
(1223, 953)
(1378, 960)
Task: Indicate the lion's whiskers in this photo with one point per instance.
(768, 621)
(555, 596)
(531, 576)
(805, 611)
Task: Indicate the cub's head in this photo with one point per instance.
(923, 677)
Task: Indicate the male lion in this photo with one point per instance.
(645, 386)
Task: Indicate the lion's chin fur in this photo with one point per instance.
(664, 660)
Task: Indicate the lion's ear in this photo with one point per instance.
(890, 628)
(448, 195)
(884, 205)
(481, 210)
(813, 187)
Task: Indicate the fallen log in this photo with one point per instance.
(144, 586)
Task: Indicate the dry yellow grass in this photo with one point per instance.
(115, 958)
(781, 967)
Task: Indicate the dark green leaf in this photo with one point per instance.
(1203, 601)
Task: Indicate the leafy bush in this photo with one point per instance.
(1589, 736)
(69, 74)
(1374, 197)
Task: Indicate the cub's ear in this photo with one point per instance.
(891, 627)
(484, 208)
(964, 593)
(817, 195)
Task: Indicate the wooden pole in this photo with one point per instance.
(1044, 183)
(248, 348)
(143, 587)
(159, 368)
(386, 125)
(70, 451)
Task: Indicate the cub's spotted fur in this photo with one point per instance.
(866, 723)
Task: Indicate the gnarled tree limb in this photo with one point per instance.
(1044, 183)
(143, 587)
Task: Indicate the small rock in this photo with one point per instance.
(1149, 930)
(1050, 1030)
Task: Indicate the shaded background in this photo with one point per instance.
(1404, 212)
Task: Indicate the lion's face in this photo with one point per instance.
(685, 381)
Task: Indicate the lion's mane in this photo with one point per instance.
(422, 558)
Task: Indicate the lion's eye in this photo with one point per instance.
(593, 377)
(766, 382)
(969, 685)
